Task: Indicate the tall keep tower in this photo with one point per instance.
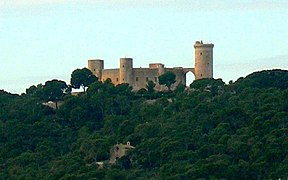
(125, 71)
(203, 60)
(96, 66)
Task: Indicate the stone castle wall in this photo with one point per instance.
(142, 75)
(113, 74)
(138, 77)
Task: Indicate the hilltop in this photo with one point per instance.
(215, 130)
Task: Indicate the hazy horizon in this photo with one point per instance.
(47, 40)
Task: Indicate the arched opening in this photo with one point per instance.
(189, 78)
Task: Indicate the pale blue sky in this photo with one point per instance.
(46, 39)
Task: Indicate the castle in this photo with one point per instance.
(138, 77)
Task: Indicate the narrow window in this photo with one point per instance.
(136, 78)
(201, 53)
(147, 79)
(116, 79)
(123, 66)
(155, 79)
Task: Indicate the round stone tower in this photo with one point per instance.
(203, 60)
(125, 71)
(96, 66)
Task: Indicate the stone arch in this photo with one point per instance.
(189, 74)
(190, 77)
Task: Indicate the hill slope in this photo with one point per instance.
(237, 131)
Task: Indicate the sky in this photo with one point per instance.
(41, 40)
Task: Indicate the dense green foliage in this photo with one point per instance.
(214, 131)
(55, 90)
(82, 78)
(167, 79)
(150, 87)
